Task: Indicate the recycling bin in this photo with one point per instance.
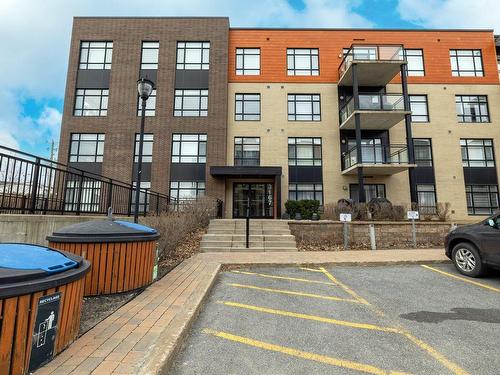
(41, 295)
(122, 254)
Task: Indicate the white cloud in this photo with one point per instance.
(35, 37)
(483, 14)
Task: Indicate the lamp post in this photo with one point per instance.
(145, 88)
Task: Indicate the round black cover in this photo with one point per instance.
(104, 231)
(17, 282)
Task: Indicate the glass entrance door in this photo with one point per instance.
(259, 196)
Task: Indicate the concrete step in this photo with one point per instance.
(244, 250)
(252, 231)
(252, 237)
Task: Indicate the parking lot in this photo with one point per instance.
(341, 320)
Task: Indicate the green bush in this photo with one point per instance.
(306, 208)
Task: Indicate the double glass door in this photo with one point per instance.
(257, 197)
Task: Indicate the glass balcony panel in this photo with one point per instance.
(371, 53)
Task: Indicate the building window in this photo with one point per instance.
(189, 148)
(96, 55)
(149, 55)
(193, 55)
(248, 61)
(371, 191)
(426, 197)
(304, 151)
(247, 107)
(147, 148)
(477, 153)
(415, 59)
(302, 61)
(466, 63)
(419, 108)
(88, 200)
(472, 108)
(423, 152)
(86, 148)
(191, 103)
(186, 190)
(297, 192)
(246, 151)
(304, 107)
(144, 197)
(150, 105)
(481, 199)
(90, 102)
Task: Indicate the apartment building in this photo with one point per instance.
(268, 115)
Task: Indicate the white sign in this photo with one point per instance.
(412, 215)
(345, 217)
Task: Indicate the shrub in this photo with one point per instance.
(175, 226)
(305, 208)
(443, 211)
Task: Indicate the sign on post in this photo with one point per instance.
(345, 218)
(412, 215)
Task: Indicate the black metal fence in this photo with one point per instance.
(33, 185)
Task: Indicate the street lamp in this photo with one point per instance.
(145, 88)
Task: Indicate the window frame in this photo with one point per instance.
(203, 65)
(150, 109)
(467, 161)
(427, 116)
(98, 158)
(314, 117)
(461, 102)
(460, 72)
(472, 209)
(428, 209)
(316, 162)
(291, 52)
(408, 70)
(102, 111)
(431, 160)
(199, 191)
(242, 71)
(200, 157)
(202, 112)
(240, 161)
(142, 67)
(377, 188)
(148, 139)
(317, 189)
(242, 116)
(108, 51)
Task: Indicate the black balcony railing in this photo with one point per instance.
(376, 154)
(31, 184)
(360, 52)
(373, 102)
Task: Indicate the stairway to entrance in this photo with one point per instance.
(265, 235)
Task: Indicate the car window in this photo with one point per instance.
(497, 221)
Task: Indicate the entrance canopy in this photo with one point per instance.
(245, 171)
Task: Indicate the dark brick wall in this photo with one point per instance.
(122, 122)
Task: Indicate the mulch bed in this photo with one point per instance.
(96, 309)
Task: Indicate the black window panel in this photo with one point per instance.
(247, 107)
(247, 61)
(477, 152)
(304, 107)
(91, 102)
(371, 191)
(304, 152)
(302, 61)
(96, 55)
(86, 148)
(422, 149)
(472, 108)
(310, 191)
(482, 199)
(419, 107)
(247, 151)
(466, 63)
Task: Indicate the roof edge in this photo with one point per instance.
(357, 29)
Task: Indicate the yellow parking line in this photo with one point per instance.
(311, 317)
(299, 353)
(485, 286)
(293, 293)
(310, 269)
(348, 290)
(282, 277)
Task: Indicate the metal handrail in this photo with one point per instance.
(382, 154)
(382, 104)
(395, 56)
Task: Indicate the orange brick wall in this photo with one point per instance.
(436, 46)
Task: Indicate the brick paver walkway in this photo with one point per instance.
(142, 336)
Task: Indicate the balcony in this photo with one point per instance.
(377, 111)
(377, 160)
(377, 64)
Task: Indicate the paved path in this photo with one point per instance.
(142, 336)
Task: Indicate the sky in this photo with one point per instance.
(35, 37)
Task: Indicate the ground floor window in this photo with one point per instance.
(426, 196)
(144, 197)
(86, 200)
(481, 199)
(186, 190)
(371, 191)
(297, 192)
